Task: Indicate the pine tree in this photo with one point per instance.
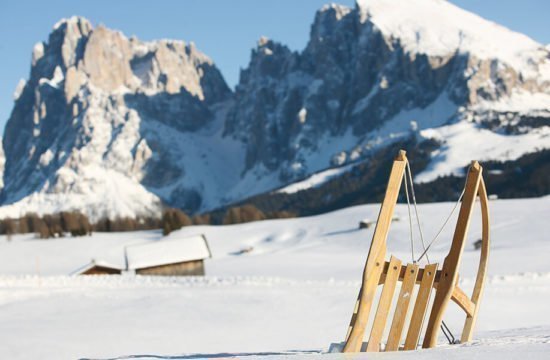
(243, 214)
(174, 219)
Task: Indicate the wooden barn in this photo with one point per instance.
(171, 257)
(98, 268)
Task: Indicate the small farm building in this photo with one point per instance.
(98, 268)
(171, 257)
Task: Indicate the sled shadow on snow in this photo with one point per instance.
(211, 356)
(341, 232)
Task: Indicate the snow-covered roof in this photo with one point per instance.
(164, 252)
(95, 263)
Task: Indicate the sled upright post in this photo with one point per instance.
(427, 279)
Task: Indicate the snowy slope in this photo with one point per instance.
(291, 295)
(438, 28)
(314, 180)
(465, 140)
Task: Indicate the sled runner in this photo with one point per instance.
(430, 278)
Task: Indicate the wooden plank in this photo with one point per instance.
(384, 305)
(452, 260)
(375, 259)
(354, 316)
(402, 307)
(467, 331)
(462, 300)
(420, 307)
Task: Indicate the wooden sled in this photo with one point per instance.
(430, 278)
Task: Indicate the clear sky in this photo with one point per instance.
(224, 30)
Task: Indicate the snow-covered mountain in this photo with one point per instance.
(367, 73)
(112, 125)
(115, 126)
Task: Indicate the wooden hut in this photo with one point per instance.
(171, 257)
(98, 268)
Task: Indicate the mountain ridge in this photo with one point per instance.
(149, 124)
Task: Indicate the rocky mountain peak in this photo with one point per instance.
(326, 19)
(98, 100)
(64, 42)
(109, 61)
(268, 59)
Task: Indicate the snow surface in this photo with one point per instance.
(315, 180)
(290, 296)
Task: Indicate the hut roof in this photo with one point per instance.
(169, 251)
(94, 263)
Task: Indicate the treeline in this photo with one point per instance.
(174, 219)
(77, 224)
(48, 226)
(72, 224)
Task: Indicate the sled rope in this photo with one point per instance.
(409, 172)
(425, 253)
(410, 218)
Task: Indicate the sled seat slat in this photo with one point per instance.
(420, 307)
(458, 296)
(384, 305)
(402, 307)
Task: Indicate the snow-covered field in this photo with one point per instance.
(292, 295)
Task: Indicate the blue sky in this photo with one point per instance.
(224, 30)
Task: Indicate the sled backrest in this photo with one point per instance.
(415, 279)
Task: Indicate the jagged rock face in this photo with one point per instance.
(115, 126)
(352, 79)
(97, 102)
(259, 117)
